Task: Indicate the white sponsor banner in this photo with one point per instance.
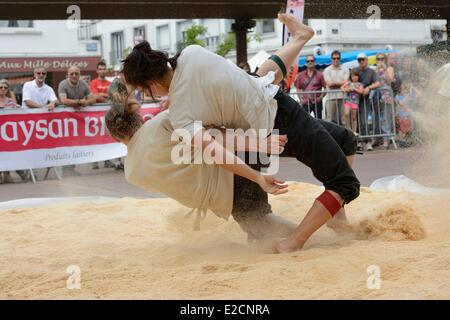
(55, 157)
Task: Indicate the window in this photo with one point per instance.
(138, 34)
(86, 30)
(181, 29)
(16, 24)
(117, 47)
(212, 42)
(319, 32)
(334, 31)
(163, 37)
(268, 26)
(100, 41)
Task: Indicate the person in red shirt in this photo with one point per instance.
(100, 90)
(100, 86)
(311, 80)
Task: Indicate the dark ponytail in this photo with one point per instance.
(144, 64)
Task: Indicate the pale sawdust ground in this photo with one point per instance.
(130, 249)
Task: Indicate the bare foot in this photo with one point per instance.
(298, 30)
(287, 245)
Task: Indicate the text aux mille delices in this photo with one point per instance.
(26, 130)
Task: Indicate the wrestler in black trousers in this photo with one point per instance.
(320, 145)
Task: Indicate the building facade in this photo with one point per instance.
(118, 36)
(58, 45)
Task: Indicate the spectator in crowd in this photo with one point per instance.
(368, 77)
(37, 94)
(384, 99)
(354, 89)
(10, 94)
(336, 75)
(117, 90)
(288, 80)
(5, 101)
(118, 86)
(100, 86)
(245, 66)
(392, 75)
(74, 92)
(405, 101)
(100, 90)
(311, 80)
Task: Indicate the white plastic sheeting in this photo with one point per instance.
(34, 202)
(403, 183)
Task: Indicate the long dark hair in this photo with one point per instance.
(145, 64)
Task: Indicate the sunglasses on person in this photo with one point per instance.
(41, 73)
(380, 58)
(2, 87)
(336, 58)
(310, 61)
(361, 59)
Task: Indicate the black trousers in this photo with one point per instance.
(250, 203)
(321, 145)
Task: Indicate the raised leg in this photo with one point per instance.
(289, 53)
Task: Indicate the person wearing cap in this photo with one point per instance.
(368, 77)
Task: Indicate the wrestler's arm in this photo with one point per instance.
(227, 160)
(274, 144)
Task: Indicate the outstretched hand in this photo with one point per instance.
(272, 185)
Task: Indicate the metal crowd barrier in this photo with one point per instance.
(375, 116)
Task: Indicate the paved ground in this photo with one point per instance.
(108, 182)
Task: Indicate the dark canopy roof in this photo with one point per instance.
(147, 9)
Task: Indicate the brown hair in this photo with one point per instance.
(123, 119)
(101, 63)
(354, 72)
(145, 64)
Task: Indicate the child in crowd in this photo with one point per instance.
(385, 102)
(354, 90)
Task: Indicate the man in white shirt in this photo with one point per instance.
(335, 76)
(37, 94)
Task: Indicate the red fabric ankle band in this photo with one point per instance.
(329, 202)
